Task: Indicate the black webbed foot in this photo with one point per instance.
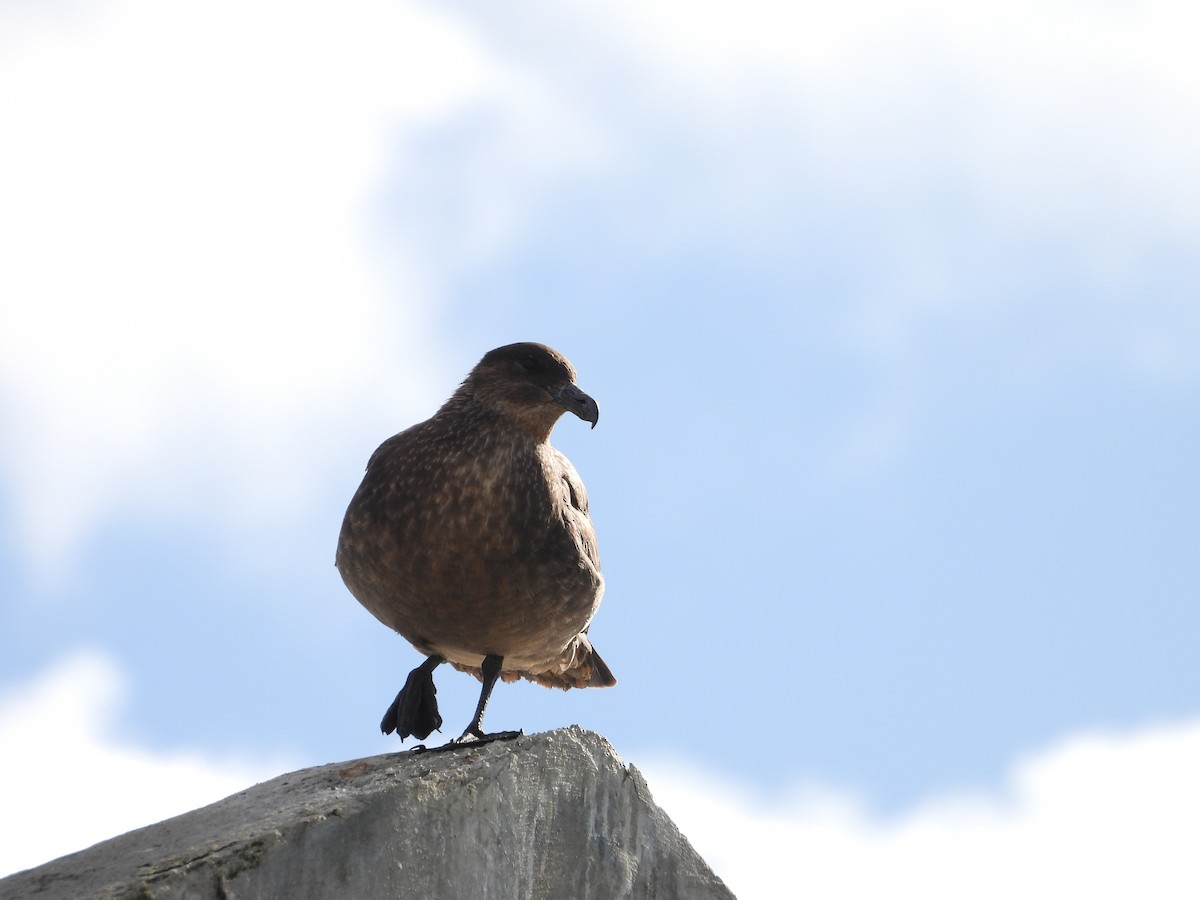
(470, 738)
(415, 710)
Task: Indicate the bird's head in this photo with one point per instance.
(532, 385)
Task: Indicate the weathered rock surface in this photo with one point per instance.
(547, 816)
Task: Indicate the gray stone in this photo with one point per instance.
(547, 816)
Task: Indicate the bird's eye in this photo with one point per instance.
(532, 364)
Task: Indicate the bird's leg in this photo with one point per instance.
(415, 709)
(491, 672)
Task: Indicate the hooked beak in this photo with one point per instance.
(572, 399)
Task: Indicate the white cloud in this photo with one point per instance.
(198, 285)
(1097, 816)
(195, 280)
(1028, 167)
(1013, 186)
(1063, 107)
(184, 275)
(72, 781)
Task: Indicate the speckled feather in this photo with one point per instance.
(470, 534)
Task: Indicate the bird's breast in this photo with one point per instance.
(478, 546)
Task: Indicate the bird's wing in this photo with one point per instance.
(397, 443)
(575, 501)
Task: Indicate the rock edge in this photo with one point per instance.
(549, 815)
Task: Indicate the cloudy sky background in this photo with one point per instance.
(893, 321)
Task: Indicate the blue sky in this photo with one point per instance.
(891, 315)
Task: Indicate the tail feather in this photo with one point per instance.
(602, 676)
(581, 667)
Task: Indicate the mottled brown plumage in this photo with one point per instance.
(470, 536)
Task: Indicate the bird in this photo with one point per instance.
(470, 536)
